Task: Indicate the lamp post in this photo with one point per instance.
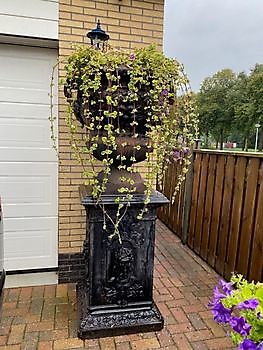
(257, 126)
(98, 37)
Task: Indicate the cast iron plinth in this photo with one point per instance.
(115, 296)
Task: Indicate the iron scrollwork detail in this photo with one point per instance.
(122, 285)
(120, 319)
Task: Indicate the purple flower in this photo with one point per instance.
(164, 92)
(186, 150)
(218, 295)
(221, 314)
(248, 344)
(177, 155)
(227, 287)
(260, 346)
(132, 56)
(240, 326)
(250, 304)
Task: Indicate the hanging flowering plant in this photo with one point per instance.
(239, 304)
(132, 107)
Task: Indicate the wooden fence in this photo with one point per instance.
(224, 198)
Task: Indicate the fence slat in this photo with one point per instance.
(197, 167)
(235, 220)
(256, 259)
(217, 201)
(225, 215)
(201, 203)
(248, 216)
(208, 207)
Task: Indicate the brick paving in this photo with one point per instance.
(44, 317)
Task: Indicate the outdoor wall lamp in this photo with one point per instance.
(98, 37)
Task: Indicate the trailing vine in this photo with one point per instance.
(131, 107)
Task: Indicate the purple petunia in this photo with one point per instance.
(217, 295)
(226, 286)
(221, 314)
(260, 346)
(248, 344)
(132, 56)
(250, 304)
(164, 92)
(240, 326)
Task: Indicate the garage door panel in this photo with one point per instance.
(28, 189)
(29, 139)
(29, 80)
(25, 133)
(28, 162)
(26, 111)
(35, 239)
(25, 95)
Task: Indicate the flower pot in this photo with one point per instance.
(128, 151)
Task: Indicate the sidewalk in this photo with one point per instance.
(44, 317)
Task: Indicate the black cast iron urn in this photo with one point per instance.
(116, 294)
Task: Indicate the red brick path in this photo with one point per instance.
(44, 317)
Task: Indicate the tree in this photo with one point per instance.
(255, 91)
(243, 115)
(216, 112)
(247, 99)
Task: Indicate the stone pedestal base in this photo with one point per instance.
(115, 295)
(115, 322)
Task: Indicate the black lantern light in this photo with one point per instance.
(98, 37)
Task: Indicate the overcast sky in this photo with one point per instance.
(209, 35)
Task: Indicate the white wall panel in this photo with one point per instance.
(34, 18)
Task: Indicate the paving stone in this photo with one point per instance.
(40, 326)
(123, 346)
(181, 342)
(45, 345)
(196, 321)
(3, 339)
(199, 335)
(199, 346)
(38, 292)
(64, 344)
(180, 328)
(165, 338)
(219, 343)
(16, 334)
(53, 334)
(107, 344)
(144, 344)
(179, 315)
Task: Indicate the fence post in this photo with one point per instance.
(187, 200)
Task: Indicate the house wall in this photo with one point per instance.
(29, 18)
(131, 24)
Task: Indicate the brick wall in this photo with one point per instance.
(130, 24)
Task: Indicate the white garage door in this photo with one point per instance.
(28, 164)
